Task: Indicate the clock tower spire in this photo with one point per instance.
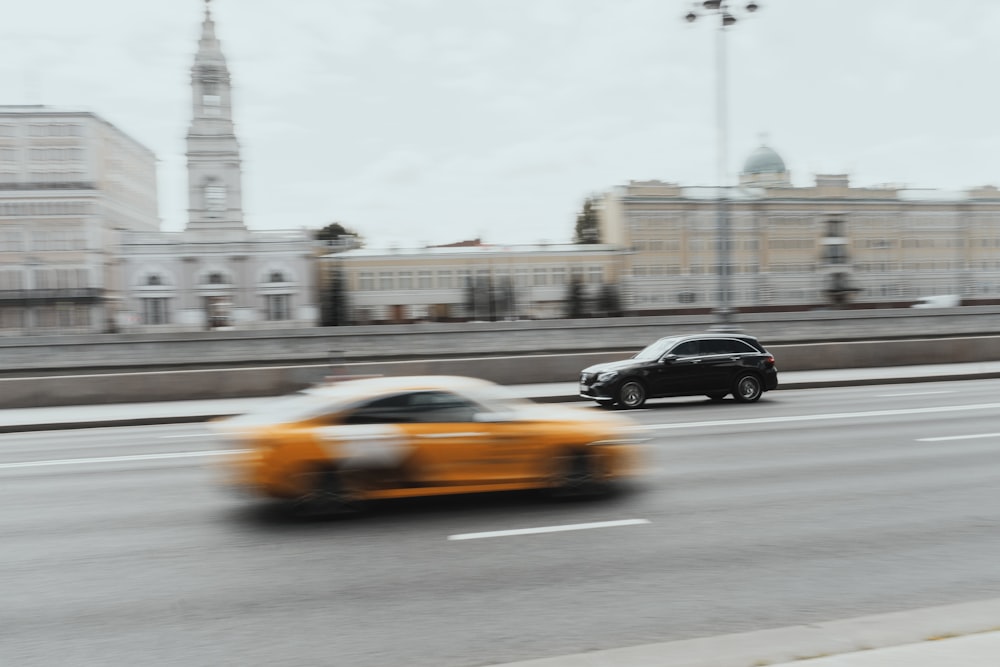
(215, 200)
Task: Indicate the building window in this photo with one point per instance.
(366, 281)
(215, 198)
(210, 105)
(216, 279)
(154, 280)
(405, 280)
(43, 279)
(424, 279)
(558, 276)
(276, 277)
(444, 280)
(11, 279)
(278, 307)
(11, 318)
(11, 241)
(386, 281)
(155, 311)
(541, 277)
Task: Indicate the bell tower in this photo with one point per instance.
(215, 196)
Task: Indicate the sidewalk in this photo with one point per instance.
(958, 635)
(136, 414)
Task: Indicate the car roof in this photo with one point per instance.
(370, 386)
(713, 334)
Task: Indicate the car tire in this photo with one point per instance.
(327, 492)
(748, 388)
(717, 396)
(631, 394)
(577, 474)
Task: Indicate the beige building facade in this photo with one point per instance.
(803, 247)
(478, 282)
(70, 184)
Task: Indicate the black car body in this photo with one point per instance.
(710, 364)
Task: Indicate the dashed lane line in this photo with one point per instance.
(120, 459)
(548, 529)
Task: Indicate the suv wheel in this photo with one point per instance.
(748, 388)
(631, 394)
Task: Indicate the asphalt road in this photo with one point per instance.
(118, 547)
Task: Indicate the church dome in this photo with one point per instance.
(764, 161)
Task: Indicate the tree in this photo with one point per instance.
(334, 310)
(336, 231)
(575, 300)
(587, 223)
(609, 301)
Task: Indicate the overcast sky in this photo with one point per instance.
(432, 121)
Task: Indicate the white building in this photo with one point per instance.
(70, 182)
(217, 273)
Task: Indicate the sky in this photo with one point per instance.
(418, 122)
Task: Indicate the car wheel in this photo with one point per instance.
(716, 396)
(748, 388)
(577, 474)
(631, 394)
(327, 491)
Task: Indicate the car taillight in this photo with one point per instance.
(770, 360)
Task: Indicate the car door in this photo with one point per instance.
(458, 441)
(679, 372)
(722, 361)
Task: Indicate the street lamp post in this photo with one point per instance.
(723, 313)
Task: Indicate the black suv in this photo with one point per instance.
(713, 364)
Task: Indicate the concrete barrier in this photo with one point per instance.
(273, 379)
(417, 341)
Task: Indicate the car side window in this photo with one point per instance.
(714, 346)
(686, 349)
(394, 409)
(740, 347)
(441, 407)
(731, 346)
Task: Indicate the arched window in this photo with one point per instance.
(216, 279)
(154, 280)
(276, 277)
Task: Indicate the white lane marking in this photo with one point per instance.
(959, 437)
(548, 529)
(914, 393)
(835, 415)
(188, 435)
(118, 459)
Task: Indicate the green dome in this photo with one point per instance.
(764, 161)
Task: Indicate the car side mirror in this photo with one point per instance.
(668, 359)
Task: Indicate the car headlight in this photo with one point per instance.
(607, 376)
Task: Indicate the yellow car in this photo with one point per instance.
(334, 446)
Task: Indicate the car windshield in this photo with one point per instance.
(654, 351)
(285, 409)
